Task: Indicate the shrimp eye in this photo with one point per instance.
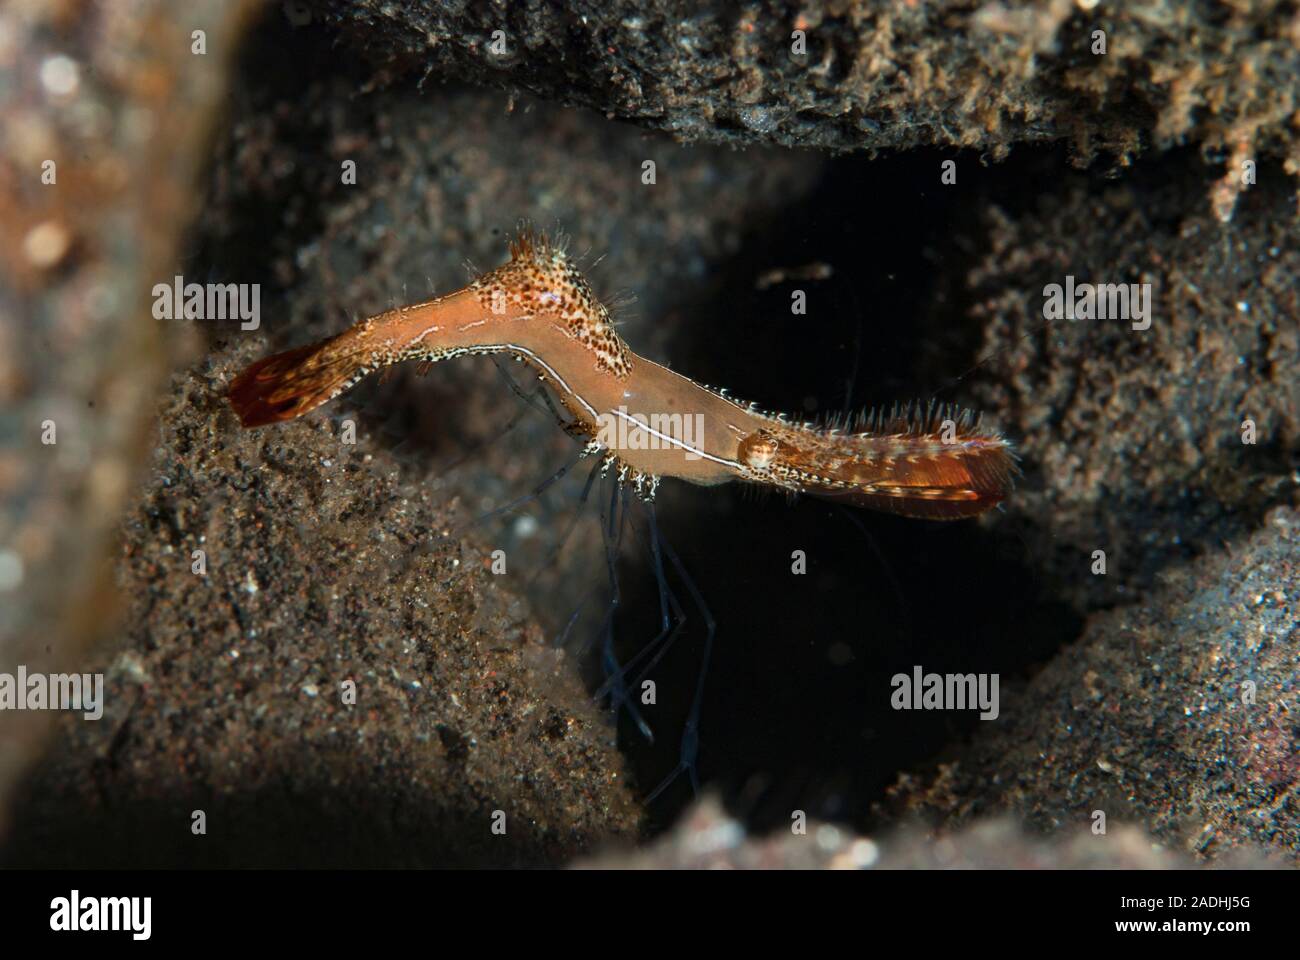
(758, 450)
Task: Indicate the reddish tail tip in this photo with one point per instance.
(277, 388)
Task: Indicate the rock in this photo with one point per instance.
(1174, 715)
(343, 684)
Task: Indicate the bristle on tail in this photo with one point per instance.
(940, 488)
(931, 462)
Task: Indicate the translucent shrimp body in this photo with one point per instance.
(649, 422)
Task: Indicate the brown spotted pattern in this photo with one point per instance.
(541, 280)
